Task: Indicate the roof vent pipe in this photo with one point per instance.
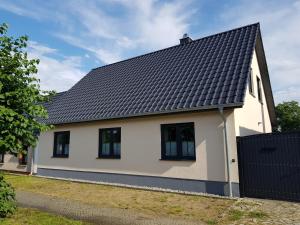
(185, 39)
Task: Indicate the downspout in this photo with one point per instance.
(35, 155)
(35, 159)
(226, 150)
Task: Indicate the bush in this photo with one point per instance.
(7, 198)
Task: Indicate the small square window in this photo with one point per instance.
(178, 141)
(61, 144)
(110, 143)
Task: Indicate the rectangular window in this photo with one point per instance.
(2, 157)
(61, 144)
(110, 143)
(251, 82)
(259, 94)
(23, 159)
(178, 141)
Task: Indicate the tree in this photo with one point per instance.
(7, 198)
(288, 116)
(20, 95)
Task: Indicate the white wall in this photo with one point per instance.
(249, 119)
(11, 163)
(141, 147)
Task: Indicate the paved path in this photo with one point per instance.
(90, 213)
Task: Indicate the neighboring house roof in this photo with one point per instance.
(201, 74)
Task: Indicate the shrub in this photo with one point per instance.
(7, 198)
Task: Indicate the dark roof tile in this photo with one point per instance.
(204, 73)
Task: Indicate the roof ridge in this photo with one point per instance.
(178, 45)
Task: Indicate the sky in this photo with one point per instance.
(71, 37)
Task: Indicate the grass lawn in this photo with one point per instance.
(25, 216)
(206, 209)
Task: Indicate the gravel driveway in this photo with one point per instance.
(91, 213)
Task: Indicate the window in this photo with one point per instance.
(259, 89)
(110, 143)
(61, 144)
(251, 82)
(178, 141)
(23, 159)
(2, 157)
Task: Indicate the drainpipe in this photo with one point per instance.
(35, 159)
(35, 155)
(227, 150)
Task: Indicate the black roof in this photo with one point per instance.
(201, 74)
(48, 104)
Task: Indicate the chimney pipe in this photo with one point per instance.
(185, 39)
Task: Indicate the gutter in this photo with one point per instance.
(227, 151)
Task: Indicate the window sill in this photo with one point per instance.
(193, 159)
(109, 157)
(61, 156)
(22, 165)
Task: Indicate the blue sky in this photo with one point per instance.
(72, 36)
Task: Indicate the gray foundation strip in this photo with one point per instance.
(185, 186)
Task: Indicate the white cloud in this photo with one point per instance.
(107, 56)
(161, 25)
(103, 55)
(41, 49)
(95, 21)
(19, 9)
(136, 26)
(280, 22)
(144, 25)
(290, 93)
(55, 74)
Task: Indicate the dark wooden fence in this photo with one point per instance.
(269, 166)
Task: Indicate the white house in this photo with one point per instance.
(165, 119)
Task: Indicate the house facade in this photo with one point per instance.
(168, 119)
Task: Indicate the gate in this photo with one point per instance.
(269, 166)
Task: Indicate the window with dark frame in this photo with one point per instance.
(259, 94)
(178, 141)
(251, 82)
(2, 157)
(23, 159)
(110, 143)
(61, 144)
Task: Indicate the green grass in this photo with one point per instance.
(211, 222)
(150, 203)
(257, 215)
(235, 215)
(25, 216)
